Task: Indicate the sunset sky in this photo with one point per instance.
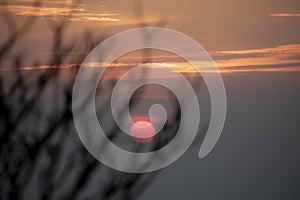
(47, 86)
(241, 36)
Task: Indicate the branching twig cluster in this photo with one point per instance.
(39, 156)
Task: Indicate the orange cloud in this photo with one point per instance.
(38, 11)
(285, 58)
(67, 10)
(280, 55)
(74, 14)
(284, 14)
(58, 2)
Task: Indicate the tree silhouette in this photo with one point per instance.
(38, 161)
(41, 157)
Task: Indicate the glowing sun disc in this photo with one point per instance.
(142, 132)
